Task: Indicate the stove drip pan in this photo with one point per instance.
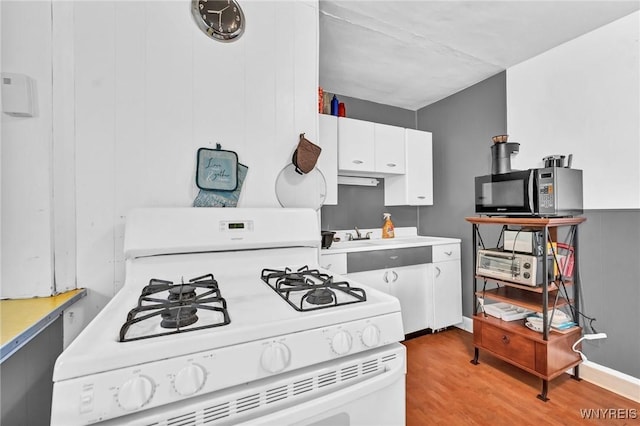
(320, 296)
(179, 317)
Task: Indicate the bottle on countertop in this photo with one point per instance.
(387, 228)
(334, 105)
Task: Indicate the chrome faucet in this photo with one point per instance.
(358, 235)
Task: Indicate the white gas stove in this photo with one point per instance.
(226, 318)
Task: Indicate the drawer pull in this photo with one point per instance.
(505, 339)
(358, 161)
(421, 197)
(448, 253)
(391, 165)
(393, 257)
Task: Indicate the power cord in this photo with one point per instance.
(595, 336)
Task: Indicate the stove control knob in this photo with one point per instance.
(371, 336)
(189, 380)
(341, 342)
(275, 357)
(135, 393)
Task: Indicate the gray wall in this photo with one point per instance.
(462, 126)
(26, 385)
(610, 276)
(378, 113)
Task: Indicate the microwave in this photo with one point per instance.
(545, 192)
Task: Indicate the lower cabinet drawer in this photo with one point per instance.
(513, 346)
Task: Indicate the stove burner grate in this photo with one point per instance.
(178, 309)
(318, 289)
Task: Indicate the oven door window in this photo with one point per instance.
(500, 264)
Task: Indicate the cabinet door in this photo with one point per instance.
(334, 262)
(447, 294)
(410, 285)
(420, 173)
(389, 149)
(328, 160)
(355, 145)
(415, 187)
(378, 279)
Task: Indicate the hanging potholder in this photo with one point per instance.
(217, 169)
(306, 155)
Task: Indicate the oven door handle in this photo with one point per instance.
(532, 205)
(317, 406)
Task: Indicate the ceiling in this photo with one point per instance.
(410, 54)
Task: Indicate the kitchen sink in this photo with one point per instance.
(413, 240)
(405, 240)
(351, 244)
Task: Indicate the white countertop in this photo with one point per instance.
(405, 237)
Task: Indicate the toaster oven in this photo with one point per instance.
(519, 268)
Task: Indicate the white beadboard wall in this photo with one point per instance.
(583, 97)
(151, 88)
(26, 215)
(138, 88)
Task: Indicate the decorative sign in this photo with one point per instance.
(217, 169)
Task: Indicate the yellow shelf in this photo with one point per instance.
(22, 319)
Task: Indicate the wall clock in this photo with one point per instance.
(221, 20)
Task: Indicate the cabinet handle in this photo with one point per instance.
(385, 277)
(395, 276)
(391, 164)
(327, 267)
(421, 197)
(448, 253)
(393, 257)
(358, 161)
(505, 339)
(438, 272)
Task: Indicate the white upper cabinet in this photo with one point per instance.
(415, 187)
(328, 160)
(370, 149)
(389, 149)
(356, 145)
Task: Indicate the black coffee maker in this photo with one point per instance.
(501, 153)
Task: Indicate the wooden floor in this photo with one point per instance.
(444, 388)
